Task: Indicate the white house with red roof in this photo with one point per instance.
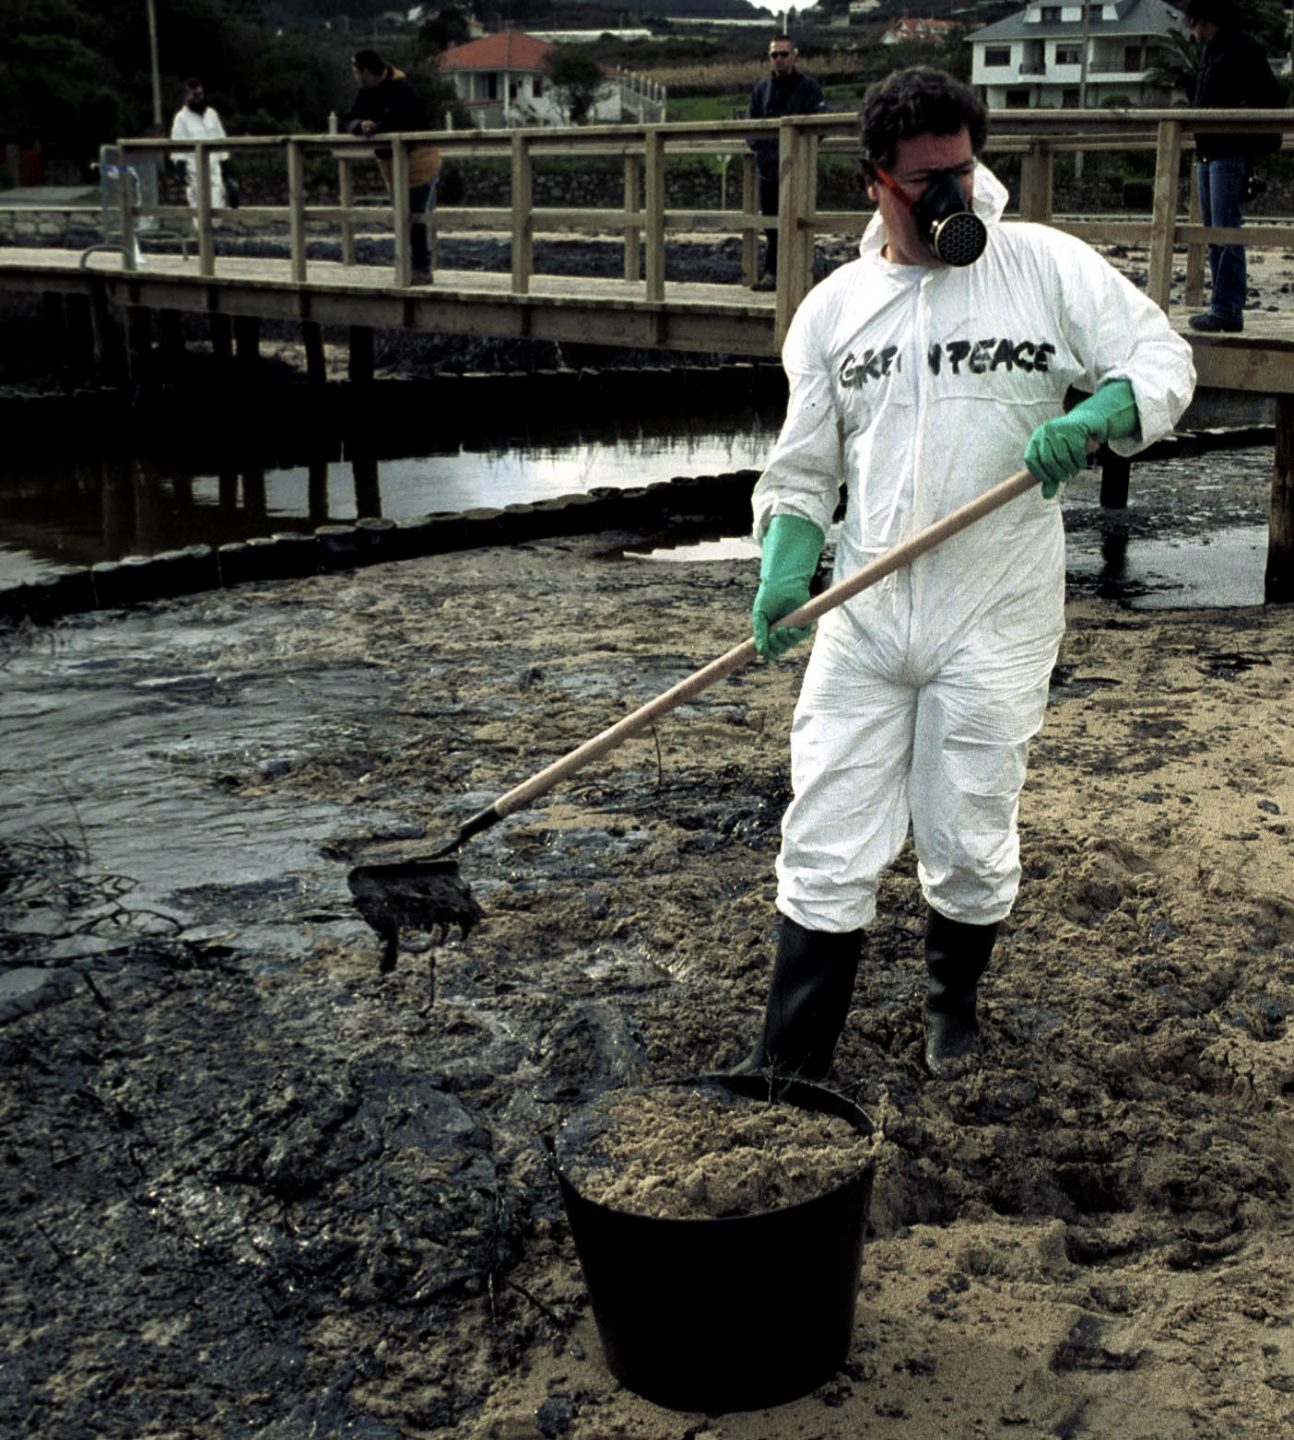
(502, 80)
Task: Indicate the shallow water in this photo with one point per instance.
(1194, 534)
(60, 514)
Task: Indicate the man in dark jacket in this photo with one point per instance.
(385, 104)
(1233, 75)
(784, 91)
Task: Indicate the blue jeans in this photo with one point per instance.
(422, 200)
(1222, 189)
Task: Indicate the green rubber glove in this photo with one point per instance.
(1057, 449)
(787, 560)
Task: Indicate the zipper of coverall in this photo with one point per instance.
(918, 380)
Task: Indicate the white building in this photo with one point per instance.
(1035, 58)
(503, 81)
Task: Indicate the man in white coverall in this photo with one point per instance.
(196, 120)
(918, 382)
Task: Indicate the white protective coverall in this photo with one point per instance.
(189, 125)
(918, 388)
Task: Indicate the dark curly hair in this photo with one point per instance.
(919, 101)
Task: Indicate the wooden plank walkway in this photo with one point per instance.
(693, 316)
(698, 318)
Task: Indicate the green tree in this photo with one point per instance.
(436, 35)
(1177, 64)
(578, 81)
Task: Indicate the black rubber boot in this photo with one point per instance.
(808, 1001)
(956, 956)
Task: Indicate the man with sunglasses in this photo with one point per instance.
(784, 91)
(921, 374)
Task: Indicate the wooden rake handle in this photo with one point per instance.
(903, 554)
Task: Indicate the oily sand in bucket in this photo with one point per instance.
(702, 1152)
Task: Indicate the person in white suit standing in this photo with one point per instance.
(196, 119)
(920, 375)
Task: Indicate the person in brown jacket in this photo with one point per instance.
(387, 103)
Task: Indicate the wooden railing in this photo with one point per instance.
(1037, 137)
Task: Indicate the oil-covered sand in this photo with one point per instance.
(253, 1188)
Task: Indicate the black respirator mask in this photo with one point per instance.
(952, 230)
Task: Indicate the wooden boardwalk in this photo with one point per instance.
(692, 316)
(564, 308)
(651, 312)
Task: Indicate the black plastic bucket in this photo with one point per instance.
(727, 1314)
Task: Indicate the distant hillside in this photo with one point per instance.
(518, 13)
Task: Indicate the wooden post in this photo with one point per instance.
(170, 337)
(126, 193)
(316, 361)
(1163, 218)
(749, 209)
(654, 185)
(206, 234)
(361, 354)
(368, 488)
(109, 362)
(247, 340)
(139, 347)
(1195, 251)
(633, 204)
(400, 210)
(1278, 587)
(222, 339)
(1037, 168)
(72, 334)
(317, 491)
(296, 210)
(797, 201)
(523, 215)
(346, 197)
(254, 495)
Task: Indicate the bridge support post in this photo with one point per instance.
(170, 337)
(109, 361)
(222, 339)
(361, 354)
(139, 347)
(1278, 587)
(316, 363)
(70, 333)
(247, 339)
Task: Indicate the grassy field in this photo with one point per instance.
(732, 104)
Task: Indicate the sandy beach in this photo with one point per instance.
(253, 1187)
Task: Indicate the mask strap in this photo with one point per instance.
(893, 186)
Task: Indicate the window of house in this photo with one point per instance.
(1069, 99)
(1051, 14)
(537, 87)
(1069, 55)
(492, 85)
(1017, 99)
(997, 54)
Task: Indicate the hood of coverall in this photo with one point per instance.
(988, 201)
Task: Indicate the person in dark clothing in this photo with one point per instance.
(385, 104)
(784, 91)
(1233, 75)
